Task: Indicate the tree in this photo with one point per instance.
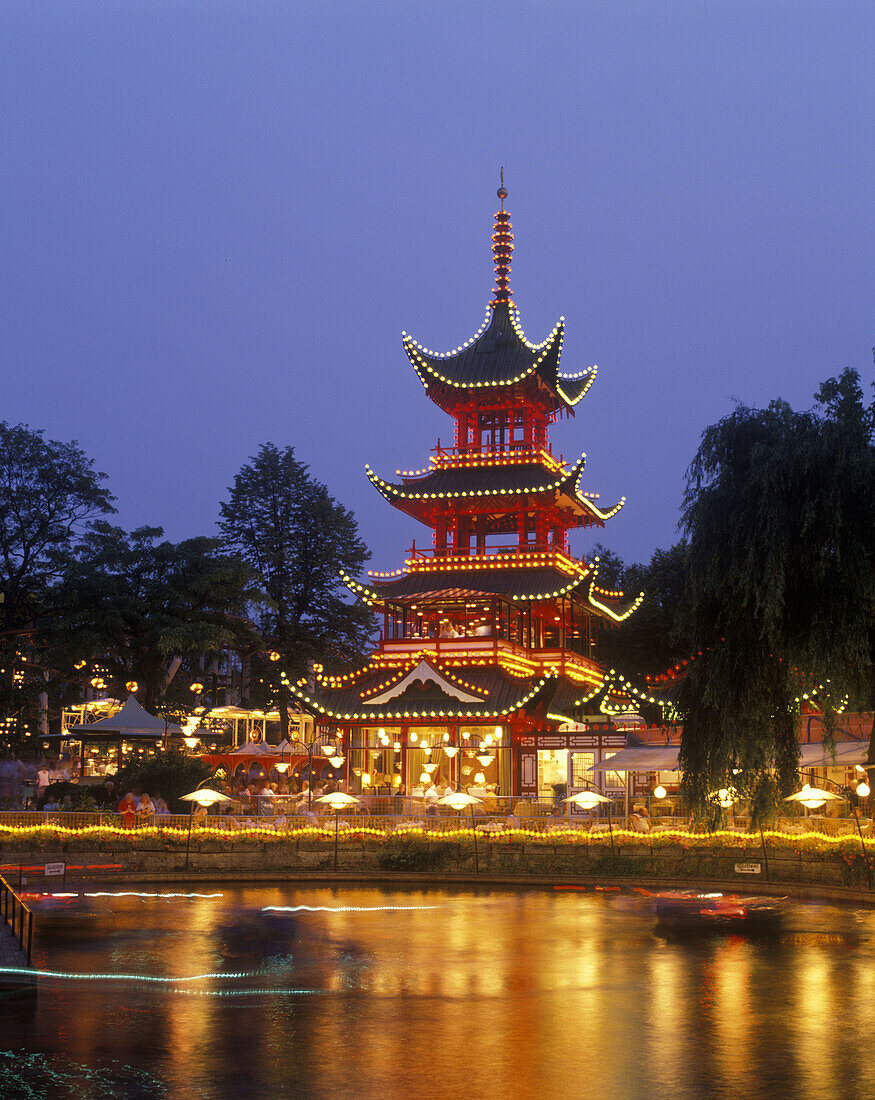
(49, 492)
(297, 539)
(170, 773)
(650, 640)
(135, 604)
(780, 514)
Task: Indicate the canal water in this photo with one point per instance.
(291, 991)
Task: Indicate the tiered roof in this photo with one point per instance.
(433, 689)
(498, 355)
(499, 481)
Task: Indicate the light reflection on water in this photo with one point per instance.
(453, 993)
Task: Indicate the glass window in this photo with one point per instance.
(613, 780)
(552, 773)
(581, 763)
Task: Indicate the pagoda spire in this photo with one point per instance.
(502, 249)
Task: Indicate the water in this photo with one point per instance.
(437, 993)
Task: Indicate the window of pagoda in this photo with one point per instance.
(517, 423)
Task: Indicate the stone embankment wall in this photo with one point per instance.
(746, 863)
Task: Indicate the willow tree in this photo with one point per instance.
(779, 512)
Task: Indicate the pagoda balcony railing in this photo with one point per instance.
(516, 452)
(514, 553)
(548, 658)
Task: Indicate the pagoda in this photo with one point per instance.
(488, 656)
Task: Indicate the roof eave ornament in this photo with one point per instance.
(502, 250)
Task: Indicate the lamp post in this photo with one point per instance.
(338, 801)
(458, 800)
(308, 743)
(814, 797)
(588, 800)
(203, 797)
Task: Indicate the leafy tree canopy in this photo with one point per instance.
(136, 603)
(170, 773)
(49, 491)
(297, 539)
(650, 640)
(780, 515)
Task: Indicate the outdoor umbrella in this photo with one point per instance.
(813, 797)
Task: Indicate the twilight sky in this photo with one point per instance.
(218, 217)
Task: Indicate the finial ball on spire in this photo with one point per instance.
(502, 190)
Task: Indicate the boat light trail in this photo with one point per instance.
(145, 978)
(128, 894)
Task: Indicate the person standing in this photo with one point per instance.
(145, 810)
(128, 810)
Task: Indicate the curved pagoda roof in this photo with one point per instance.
(499, 355)
(499, 575)
(434, 690)
(506, 479)
(518, 585)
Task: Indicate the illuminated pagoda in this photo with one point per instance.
(490, 636)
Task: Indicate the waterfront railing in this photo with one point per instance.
(400, 814)
(18, 916)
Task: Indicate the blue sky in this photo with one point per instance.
(219, 217)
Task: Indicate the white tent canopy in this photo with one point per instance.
(847, 753)
(251, 748)
(131, 721)
(664, 758)
(642, 758)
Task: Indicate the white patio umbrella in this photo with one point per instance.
(459, 800)
(812, 798)
(205, 797)
(587, 800)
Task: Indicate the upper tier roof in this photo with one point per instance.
(519, 585)
(500, 482)
(498, 355)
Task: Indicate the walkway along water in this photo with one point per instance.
(16, 940)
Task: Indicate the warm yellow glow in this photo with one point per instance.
(863, 789)
(659, 792)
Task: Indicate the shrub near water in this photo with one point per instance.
(409, 854)
(171, 772)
